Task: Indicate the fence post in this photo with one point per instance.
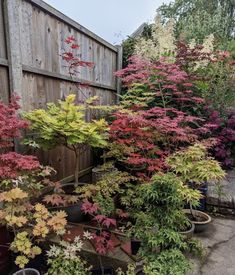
(119, 67)
(12, 25)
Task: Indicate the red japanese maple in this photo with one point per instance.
(102, 237)
(12, 164)
(147, 134)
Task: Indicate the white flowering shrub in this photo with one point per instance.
(65, 259)
(207, 48)
(162, 42)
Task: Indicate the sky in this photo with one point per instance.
(112, 20)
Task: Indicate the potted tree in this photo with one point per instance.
(64, 124)
(194, 166)
(159, 219)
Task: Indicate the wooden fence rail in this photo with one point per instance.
(32, 36)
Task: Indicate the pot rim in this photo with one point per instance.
(27, 269)
(208, 217)
(189, 230)
(66, 206)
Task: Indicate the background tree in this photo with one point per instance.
(196, 19)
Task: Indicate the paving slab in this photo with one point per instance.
(219, 243)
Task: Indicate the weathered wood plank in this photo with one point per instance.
(4, 85)
(12, 21)
(3, 62)
(30, 69)
(63, 18)
(3, 53)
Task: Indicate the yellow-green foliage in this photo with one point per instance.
(64, 124)
(194, 164)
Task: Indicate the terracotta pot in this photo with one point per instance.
(201, 220)
(4, 250)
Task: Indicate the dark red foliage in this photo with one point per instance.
(10, 123)
(73, 59)
(11, 163)
(149, 134)
(224, 132)
(102, 237)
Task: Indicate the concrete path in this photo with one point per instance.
(219, 242)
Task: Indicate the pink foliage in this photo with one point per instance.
(11, 163)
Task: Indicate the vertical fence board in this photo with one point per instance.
(31, 64)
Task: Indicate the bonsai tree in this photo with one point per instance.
(64, 124)
(193, 166)
(159, 219)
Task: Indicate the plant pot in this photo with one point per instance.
(27, 271)
(74, 212)
(107, 271)
(201, 221)
(4, 251)
(135, 246)
(188, 233)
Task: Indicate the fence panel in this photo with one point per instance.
(32, 36)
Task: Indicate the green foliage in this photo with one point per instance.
(64, 124)
(67, 267)
(171, 262)
(139, 95)
(194, 165)
(196, 19)
(158, 219)
(128, 50)
(219, 87)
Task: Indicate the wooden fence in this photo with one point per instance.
(32, 36)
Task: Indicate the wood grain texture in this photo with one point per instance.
(3, 53)
(34, 40)
(4, 85)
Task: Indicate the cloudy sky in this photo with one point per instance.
(113, 20)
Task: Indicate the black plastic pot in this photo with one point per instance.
(135, 246)
(74, 212)
(4, 251)
(107, 271)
